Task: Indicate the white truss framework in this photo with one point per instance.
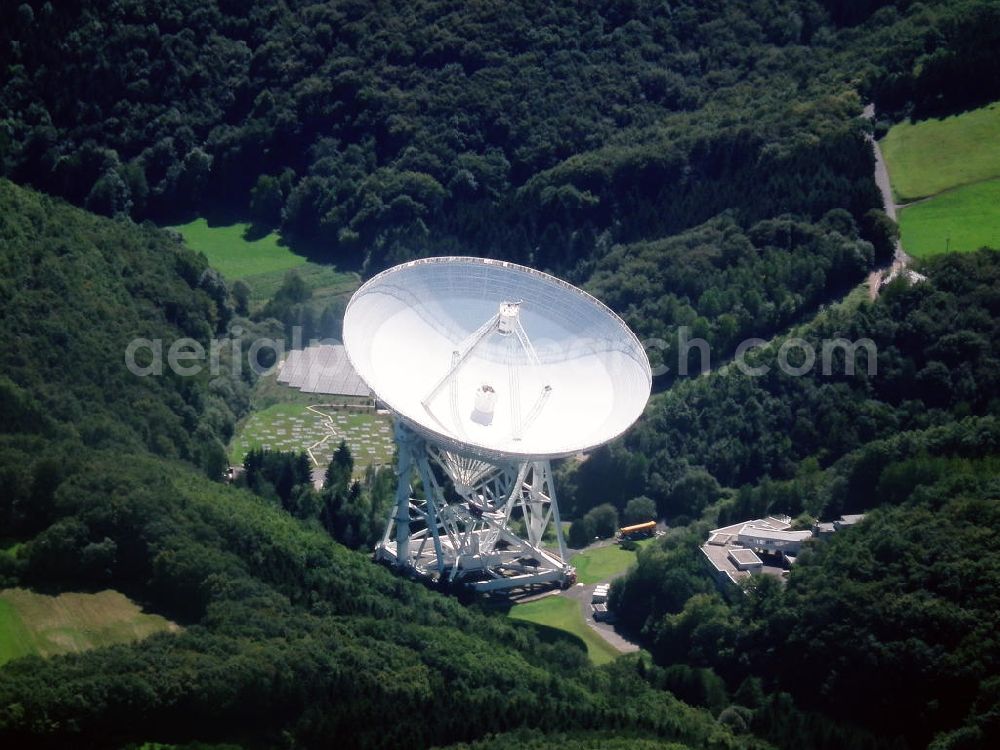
(471, 537)
(507, 323)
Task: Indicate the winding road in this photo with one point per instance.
(899, 259)
(582, 593)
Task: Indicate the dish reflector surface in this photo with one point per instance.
(496, 359)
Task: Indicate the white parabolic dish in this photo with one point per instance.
(419, 336)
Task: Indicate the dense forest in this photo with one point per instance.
(546, 134)
(936, 361)
(289, 637)
(703, 167)
(890, 624)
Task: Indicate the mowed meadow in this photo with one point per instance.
(562, 613)
(604, 562)
(262, 262)
(945, 174)
(33, 623)
(234, 253)
(962, 220)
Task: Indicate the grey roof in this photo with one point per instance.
(771, 522)
(744, 556)
(718, 558)
(773, 535)
(732, 562)
(322, 369)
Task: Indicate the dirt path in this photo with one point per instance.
(327, 423)
(899, 259)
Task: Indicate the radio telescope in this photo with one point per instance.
(491, 369)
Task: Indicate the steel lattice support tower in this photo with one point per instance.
(471, 538)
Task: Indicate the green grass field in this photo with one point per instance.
(15, 639)
(323, 281)
(564, 614)
(263, 264)
(954, 164)
(236, 257)
(33, 623)
(961, 220)
(294, 427)
(602, 563)
(931, 156)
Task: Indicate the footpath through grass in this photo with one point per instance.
(928, 157)
(32, 623)
(294, 427)
(564, 614)
(959, 220)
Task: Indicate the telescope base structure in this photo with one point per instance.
(476, 538)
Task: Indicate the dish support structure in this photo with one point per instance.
(475, 536)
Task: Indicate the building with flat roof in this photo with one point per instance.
(825, 528)
(730, 557)
(778, 542)
(845, 521)
(730, 561)
(764, 545)
(746, 559)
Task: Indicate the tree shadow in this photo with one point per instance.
(255, 232)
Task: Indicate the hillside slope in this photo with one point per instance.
(287, 634)
(889, 624)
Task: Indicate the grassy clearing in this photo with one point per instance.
(15, 639)
(603, 563)
(564, 614)
(232, 254)
(928, 157)
(294, 427)
(961, 220)
(325, 282)
(33, 623)
(263, 263)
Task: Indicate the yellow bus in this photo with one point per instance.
(637, 531)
